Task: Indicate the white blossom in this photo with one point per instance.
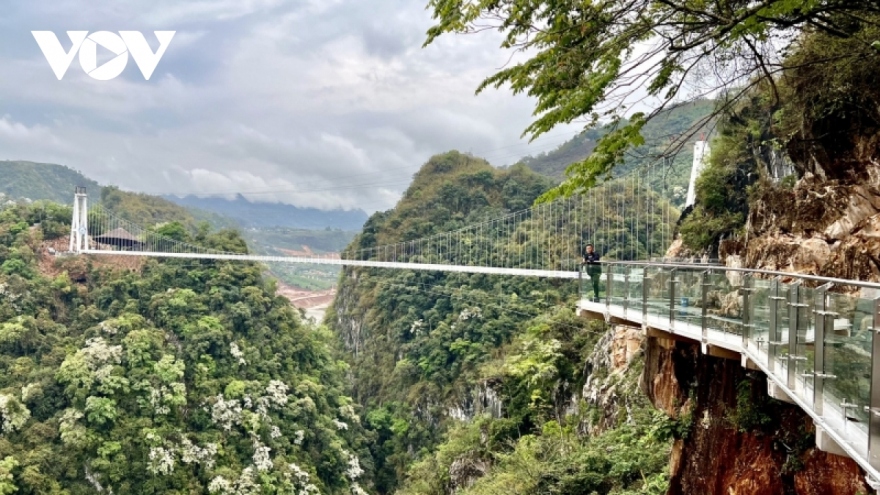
(339, 424)
(219, 485)
(191, 453)
(347, 411)
(14, 414)
(299, 434)
(276, 391)
(97, 352)
(357, 490)
(226, 412)
(108, 328)
(354, 466)
(161, 461)
(275, 432)
(298, 472)
(261, 456)
(469, 313)
(236, 353)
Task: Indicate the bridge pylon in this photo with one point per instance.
(79, 226)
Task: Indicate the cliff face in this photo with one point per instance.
(738, 441)
(612, 371)
(828, 227)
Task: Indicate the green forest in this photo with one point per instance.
(195, 376)
(174, 377)
(427, 350)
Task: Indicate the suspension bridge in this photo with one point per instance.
(816, 339)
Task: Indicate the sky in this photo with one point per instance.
(317, 103)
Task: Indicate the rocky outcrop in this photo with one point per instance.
(738, 440)
(821, 227)
(612, 376)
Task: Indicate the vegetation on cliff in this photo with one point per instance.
(818, 118)
(427, 350)
(177, 377)
(594, 61)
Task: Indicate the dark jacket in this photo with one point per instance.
(592, 260)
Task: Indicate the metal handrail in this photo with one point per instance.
(786, 359)
(768, 273)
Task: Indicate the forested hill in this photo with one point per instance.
(658, 133)
(169, 377)
(148, 210)
(35, 181)
(427, 349)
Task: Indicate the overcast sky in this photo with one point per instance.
(323, 103)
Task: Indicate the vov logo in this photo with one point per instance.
(123, 44)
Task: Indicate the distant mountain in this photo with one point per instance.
(672, 123)
(35, 181)
(263, 215)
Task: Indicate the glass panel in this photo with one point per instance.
(634, 296)
(658, 292)
(848, 358)
(759, 317)
(618, 287)
(783, 319)
(724, 304)
(804, 348)
(688, 298)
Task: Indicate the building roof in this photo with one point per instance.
(116, 237)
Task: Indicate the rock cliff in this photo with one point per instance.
(738, 440)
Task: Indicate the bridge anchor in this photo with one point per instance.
(79, 227)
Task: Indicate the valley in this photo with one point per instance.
(464, 347)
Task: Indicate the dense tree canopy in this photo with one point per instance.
(593, 60)
(175, 377)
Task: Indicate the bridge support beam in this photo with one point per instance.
(777, 393)
(825, 443)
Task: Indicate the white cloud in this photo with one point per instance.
(325, 103)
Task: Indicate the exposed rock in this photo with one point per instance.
(464, 471)
(609, 384)
(828, 473)
(716, 457)
(828, 228)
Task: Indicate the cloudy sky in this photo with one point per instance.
(323, 103)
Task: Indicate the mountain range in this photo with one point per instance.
(268, 215)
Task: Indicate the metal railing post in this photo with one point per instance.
(824, 323)
(704, 294)
(746, 319)
(608, 285)
(581, 280)
(645, 295)
(793, 317)
(672, 299)
(874, 405)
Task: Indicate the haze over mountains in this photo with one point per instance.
(266, 215)
(23, 179)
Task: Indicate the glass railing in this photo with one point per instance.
(813, 335)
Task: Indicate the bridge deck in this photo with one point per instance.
(849, 438)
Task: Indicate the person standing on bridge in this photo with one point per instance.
(594, 269)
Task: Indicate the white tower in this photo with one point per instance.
(79, 227)
(701, 151)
